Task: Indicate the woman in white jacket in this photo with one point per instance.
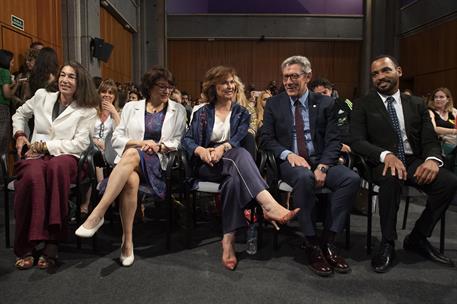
(148, 130)
(63, 123)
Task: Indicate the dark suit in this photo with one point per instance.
(372, 133)
(277, 136)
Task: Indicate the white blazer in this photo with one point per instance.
(131, 127)
(69, 133)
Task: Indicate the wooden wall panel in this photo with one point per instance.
(119, 65)
(258, 62)
(429, 59)
(42, 22)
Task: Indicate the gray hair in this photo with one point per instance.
(300, 60)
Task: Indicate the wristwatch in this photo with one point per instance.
(227, 147)
(323, 169)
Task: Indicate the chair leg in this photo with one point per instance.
(369, 217)
(189, 219)
(405, 214)
(170, 220)
(6, 201)
(442, 232)
(348, 231)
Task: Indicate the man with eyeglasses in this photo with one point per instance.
(300, 129)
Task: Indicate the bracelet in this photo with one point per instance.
(160, 148)
(19, 134)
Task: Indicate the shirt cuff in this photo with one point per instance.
(283, 155)
(440, 162)
(383, 155)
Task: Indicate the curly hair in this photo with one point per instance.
(214, 76)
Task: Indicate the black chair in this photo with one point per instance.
(85, 164)
(407, 193)
(277, 186)
(194, 186)
(144, 191)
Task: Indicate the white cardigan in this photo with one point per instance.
(131, 127)
(69, 133)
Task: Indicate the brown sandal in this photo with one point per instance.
(44, 262)
(25, 262)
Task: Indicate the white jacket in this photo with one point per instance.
(131, 127)
(69, 133)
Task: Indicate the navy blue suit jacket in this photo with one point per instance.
(278, 126)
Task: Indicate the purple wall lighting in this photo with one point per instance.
(324, 7)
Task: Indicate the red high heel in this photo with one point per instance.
(283, 220)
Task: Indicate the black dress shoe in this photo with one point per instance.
(383, 259)
(337, 262)
(317, 262)
(422, 246)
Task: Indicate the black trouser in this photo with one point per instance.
(440, 193)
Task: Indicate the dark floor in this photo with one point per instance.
(197, 276)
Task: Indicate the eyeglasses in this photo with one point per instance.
(163, 87)
(294, 76)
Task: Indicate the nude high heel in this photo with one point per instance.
(283, 220)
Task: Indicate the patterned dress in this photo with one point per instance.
(151, 172)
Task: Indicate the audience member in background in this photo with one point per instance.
(408, 92)
(300, 129)
(36, 45)
(273, 88)
(44, 71)
(149, 129)
(249, 141)
(260, 108)
(24, 92)
(443, 114)
(8, 88)
(134, 94)
(186, 102)
(343, 108)
(97, 81)
(63, 123)
(394, 132)
(108, 119)
(176, 96)
(212, 143)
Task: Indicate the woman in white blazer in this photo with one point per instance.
(63, 123)
(148, 130)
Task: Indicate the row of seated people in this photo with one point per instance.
(299, 128)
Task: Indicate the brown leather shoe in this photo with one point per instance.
(317, 262)
(336, 261)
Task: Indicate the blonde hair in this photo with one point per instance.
(447, 92)
(240, 96)
(260, 107)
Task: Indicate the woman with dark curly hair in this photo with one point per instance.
(149, 129)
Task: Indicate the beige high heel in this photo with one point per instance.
(283, 220)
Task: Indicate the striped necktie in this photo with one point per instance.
(396, 124)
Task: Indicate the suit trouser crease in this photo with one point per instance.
(240, 184)
(440, 193)
(344, 184)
